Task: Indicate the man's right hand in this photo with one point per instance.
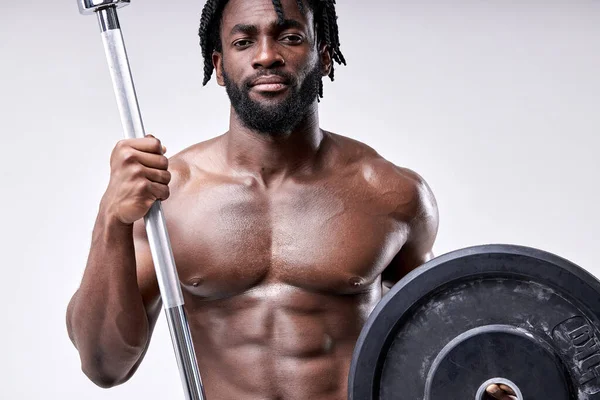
(138, 178)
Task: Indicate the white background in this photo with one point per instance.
(496, 103)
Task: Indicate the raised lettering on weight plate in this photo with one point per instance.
(580, 350)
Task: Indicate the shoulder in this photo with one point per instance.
(194, 163)
(407, 194)
(401, 194)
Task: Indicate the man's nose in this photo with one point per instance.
(267, 55)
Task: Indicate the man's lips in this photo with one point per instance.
(271, 83)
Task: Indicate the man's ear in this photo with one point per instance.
(217, 60)
(325, 57)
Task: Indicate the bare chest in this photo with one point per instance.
(228, 240)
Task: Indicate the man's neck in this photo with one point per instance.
(271, 158)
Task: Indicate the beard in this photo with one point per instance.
(281, 117)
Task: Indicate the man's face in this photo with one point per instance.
(271, 70)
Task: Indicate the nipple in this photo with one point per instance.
(356, 282)
(196, 282)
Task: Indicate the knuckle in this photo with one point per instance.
(117, 151)
(121, 144)
(128, 155)
(137, 170)
(143, 186)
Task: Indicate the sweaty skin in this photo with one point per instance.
(284, 244)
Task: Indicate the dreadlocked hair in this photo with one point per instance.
(325, 25)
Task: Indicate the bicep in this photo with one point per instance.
(411, 256)
(421, 233)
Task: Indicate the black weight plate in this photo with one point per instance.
(503, 312)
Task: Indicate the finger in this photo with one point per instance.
(157, 190)
(157, 175)
(507, 389)
(148, 144)
(150, 160)
(162, 146)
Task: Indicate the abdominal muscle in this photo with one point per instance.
(278, 342)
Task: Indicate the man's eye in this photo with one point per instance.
(242, 43)
(294, 39)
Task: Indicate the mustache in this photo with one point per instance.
(289, 79)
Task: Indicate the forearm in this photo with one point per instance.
(106, 318)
